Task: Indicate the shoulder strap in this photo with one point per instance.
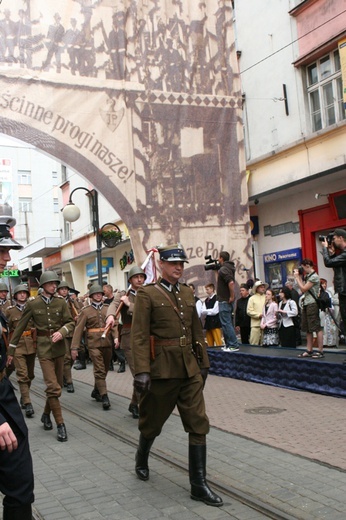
(169, 299)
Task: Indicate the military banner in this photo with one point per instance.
(143, 98)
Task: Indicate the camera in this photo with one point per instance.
(300, 270)
(211, 264)
(328, 238)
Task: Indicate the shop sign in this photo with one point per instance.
(126, 259)
(9, 273)
(107, 263)
(282, 256)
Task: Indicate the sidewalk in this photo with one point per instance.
(301, 423)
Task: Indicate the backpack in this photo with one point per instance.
(323, 301)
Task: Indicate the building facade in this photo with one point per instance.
(292, 68)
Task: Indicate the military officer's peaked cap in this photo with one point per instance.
(6, 239)
(173, 253)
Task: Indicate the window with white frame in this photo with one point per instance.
(24, 177)
(56, 205)
(25, 205)
(55, 178)
(324, 84)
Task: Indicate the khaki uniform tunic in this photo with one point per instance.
(93, 318)
(25, 354)
(125, 326)
(175, 374)
(47, 318)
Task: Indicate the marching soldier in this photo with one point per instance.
(93, 318)
(63, 291)
(53, 321)
(4, 302)
(137, 278)
(16, 475)
(24, 359)
(171, 366)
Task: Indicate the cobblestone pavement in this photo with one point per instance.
(283, 447)
(302, 423)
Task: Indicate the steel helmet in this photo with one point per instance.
(3, 287)
(49, 276)
(95, 289)
(21, 287)
(136, 270)
(63, 284)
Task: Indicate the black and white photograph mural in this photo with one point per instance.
(142, 98)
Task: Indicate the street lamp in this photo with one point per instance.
(71, 213)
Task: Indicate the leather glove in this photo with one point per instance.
(142, 382)
(204, 374)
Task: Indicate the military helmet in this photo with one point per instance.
(136, 270)
(95, 288)
(48, 276)
(63, 285)
(173, 253)
(21, 287)
(6, 239)
(3, 287)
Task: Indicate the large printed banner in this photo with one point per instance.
(141, 97)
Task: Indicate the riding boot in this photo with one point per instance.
(17, 513)
(142, 455)
(80, 362)
(197, 472)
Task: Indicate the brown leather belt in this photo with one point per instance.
(183, 341)
(27, 333)
(97, 330)
(126, 325)
(46, 333)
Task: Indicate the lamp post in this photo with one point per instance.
(71, 213)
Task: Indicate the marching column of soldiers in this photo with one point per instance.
(155, 325)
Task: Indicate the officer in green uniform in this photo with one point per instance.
(171, 365)
(25, 354)
(93, 318)
(53, 322)
(136, 279)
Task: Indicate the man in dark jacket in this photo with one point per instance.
(16, 475)
(225, 297)
(338, 263)
(242, 320)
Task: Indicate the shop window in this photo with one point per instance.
(324, 87)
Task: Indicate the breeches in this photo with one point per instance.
(158, 403)
(25, 364)
(214, 337)
(52, 370)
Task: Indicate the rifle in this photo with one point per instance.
(143, 266)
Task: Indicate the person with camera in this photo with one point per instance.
(309, 283)
(333, 242)
(226, 297)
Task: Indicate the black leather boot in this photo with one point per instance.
(95, 394)
(142, 455)
(80, 362)
(62, 434)
(197, 472)
(47, 423)
(17, 513)
(133, 408)
(70, 388)
(121, 367)
(29, 411)
(105, 402)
